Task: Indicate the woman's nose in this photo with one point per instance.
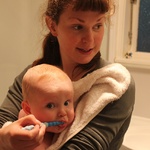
(88, 37)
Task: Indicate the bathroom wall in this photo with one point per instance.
(117, 34)
(142, 82)
(20, 44)
(19, 38)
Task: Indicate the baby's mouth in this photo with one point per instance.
(54, 123)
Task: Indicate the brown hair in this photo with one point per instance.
(51, 53)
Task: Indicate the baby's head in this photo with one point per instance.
(42, 78)
(48, 95)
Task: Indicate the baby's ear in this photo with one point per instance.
(26, 107)
(51, 25)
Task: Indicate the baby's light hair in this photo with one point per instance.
(44, 74)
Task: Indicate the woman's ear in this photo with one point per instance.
(26, 107)
(51, 25)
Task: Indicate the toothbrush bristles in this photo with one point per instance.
(54, 123)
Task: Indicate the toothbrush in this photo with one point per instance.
(47, 124)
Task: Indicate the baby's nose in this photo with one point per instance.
(62, 113)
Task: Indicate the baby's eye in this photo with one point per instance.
(66, 103)
(50, 105)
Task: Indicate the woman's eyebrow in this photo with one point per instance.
(75, 18)
(80, 20)
(100, 18)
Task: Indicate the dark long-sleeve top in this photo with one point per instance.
(104, 132)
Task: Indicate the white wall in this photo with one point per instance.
(140, 73)
(142, 82)
(20, 41)
(19, 38)
(20, 45)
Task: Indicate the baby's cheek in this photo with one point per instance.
(72, 115)
(44, 117)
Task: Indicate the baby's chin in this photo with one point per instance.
(55, 129)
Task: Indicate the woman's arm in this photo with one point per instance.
(13, 137)
(12, 104)
(107, 129)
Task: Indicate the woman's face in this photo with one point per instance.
(80, 34)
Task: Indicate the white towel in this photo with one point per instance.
(97, 89)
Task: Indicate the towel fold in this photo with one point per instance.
(92, 94)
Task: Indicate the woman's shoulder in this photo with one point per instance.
(102, 63)
(22, 73)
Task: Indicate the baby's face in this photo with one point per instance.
(54, 104)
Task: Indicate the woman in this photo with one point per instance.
(76, 32)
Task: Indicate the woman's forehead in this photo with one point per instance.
(81, 16)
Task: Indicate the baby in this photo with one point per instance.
(48, 95)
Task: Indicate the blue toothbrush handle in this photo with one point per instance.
(29, 127)
(47, 124)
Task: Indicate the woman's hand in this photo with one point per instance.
(13, 137)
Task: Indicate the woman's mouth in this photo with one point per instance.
(83, 50)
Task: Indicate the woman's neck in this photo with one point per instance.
(75, 73)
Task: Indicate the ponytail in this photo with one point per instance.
(51, 53)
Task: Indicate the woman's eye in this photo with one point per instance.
(97, 27)
(50, 105)
(66, 103)
(77, 27)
